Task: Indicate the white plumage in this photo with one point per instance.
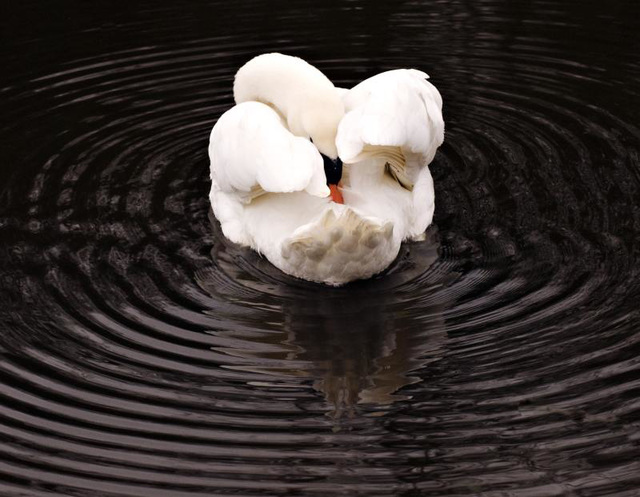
(397, 108)
(284, 163)
(305, 97)
(269, 189)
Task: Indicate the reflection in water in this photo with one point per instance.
(357, 344)
(121, 376)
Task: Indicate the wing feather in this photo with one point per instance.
(394, 114)
(252, 152)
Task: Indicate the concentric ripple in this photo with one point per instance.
(142, 354)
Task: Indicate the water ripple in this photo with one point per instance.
(143, 354)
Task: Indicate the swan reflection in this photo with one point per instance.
(356, 345)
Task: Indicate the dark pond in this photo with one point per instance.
(142, 355)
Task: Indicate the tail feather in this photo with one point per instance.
(339, 247)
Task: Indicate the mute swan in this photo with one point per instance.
(273, 154)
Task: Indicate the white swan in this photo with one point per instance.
(269, 189)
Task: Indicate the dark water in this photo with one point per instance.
(142, 355)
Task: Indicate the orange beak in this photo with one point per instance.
(336, 196)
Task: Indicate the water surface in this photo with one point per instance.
(142, 354)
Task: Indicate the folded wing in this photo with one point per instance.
(252, 152)
(396, 115)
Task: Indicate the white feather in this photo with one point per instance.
(252, 152)
(393, 124)
(306, 98)
(268, 186)
(395, 115)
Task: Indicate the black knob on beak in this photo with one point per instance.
(332, 169)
